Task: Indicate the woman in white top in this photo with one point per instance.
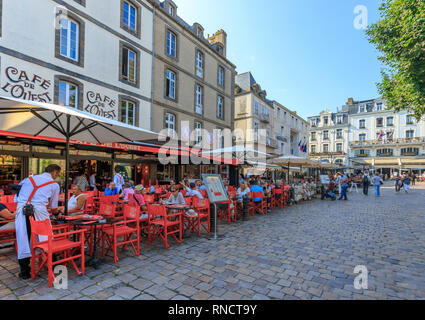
(77, 202)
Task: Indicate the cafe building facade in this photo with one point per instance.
(95, 56)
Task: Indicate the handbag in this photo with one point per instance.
(28, 209)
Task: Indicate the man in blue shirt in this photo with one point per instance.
(112, 190)
(257, 188)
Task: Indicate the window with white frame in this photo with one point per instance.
(380, 122)
(199, 64)
(379, 106)
(198, 132)
(313, 149)
(171, 44)
(362, 137)
(69, 39)
(362, 124)
(282, 131)
(128, 112)
(220, 76)
(170, 85)
(339, 147)
(390, 121)
(129, 65)
(325, 135)
(263, 107)
(362, 108)
(325, 148)
(410, 134)
(220, 107)
(339, 133)
(339, 119)
(129, 16)
(68, 94)
(199, 92)
(313, 136)
(282, 148)
(410, 119)
(278, 113)
(170, 124)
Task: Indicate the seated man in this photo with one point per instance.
(6, 215)
(257, 188)
(111, 190)
(194, 192)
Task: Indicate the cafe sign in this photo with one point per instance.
(101, 105)
(24, 85)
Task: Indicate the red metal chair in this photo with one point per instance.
(188, 200)
(149, 198)
(162, 226)
(108, 199)
(8, 199)
(202, 220)
(260, 206)
(7, 235)
(125, 229)
(228, 213)
(278, 199)
(42, 251)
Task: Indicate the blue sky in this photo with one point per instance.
(306, 54)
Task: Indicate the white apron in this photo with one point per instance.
(40, 213)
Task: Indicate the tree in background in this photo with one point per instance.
(400, 37)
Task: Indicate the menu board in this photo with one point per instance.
(215, 188)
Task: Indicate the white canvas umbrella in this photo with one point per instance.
(240, 152)
(49, 120)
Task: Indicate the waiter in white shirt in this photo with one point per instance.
(118, 179)
(40, 191)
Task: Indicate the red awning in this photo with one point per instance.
(156, 149)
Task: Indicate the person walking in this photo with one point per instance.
(81, 181)
(377, 182)
(343, 182)
(366, 183)
(38, 191)
(406, 183)
(118, 179)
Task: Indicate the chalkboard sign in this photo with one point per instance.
(215, 188)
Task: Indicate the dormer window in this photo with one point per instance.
(362, 109)
(379, 106)
(171, 11)
(219, 49)
(200, 32)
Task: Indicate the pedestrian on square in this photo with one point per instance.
(366, 183)
(406, 183)
(343, 183)
(377, 182)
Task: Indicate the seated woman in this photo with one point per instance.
(176, 196)
(137, 198)
(242, 191)
(127, 192)
(6, 215)
(77, 202)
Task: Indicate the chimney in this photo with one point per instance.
(350, 102)
(220, 38)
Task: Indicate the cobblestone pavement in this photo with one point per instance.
(308, 251)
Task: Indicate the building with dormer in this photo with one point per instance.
(253, 114)
(193, 79)
(329, 136)
(383, 139)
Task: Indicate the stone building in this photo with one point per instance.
(193, 79)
